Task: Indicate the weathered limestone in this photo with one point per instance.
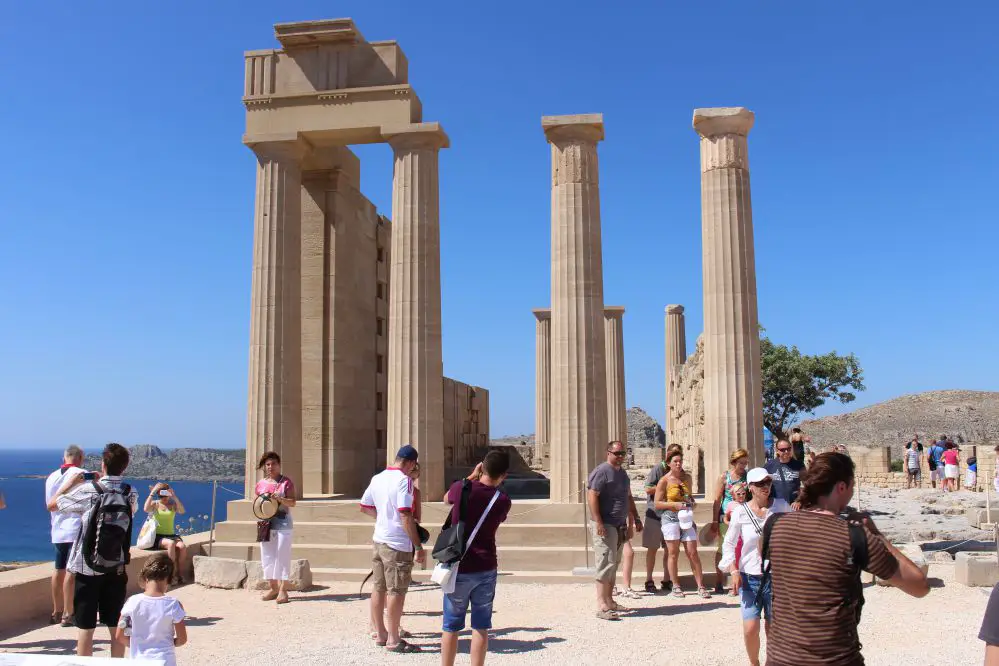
(221, 572)
(976, 569)
(299, 578)
(416, 370)
(542, 386)
(578, 379)
(617, 423)
(274, 415)
(676, 355)
(732, 391)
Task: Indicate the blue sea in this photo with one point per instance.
(24, 525)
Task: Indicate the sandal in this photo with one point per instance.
(283, 599)
(269, 596)
(630, 594)
(67, 620)
(618, 608)
(650, 586)
(55, 618)
(608, 615)
(402, 647)
(615, 591)
(703, 593)
(678, 592)
(666, 584)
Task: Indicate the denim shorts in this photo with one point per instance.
(62, 551)
(750, 589)
(477, 589)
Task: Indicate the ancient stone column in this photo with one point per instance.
(733, 404)
(578, 379)
(676, 355)
(542, 385)
(274, 410)
(617, 415)
(415, 366)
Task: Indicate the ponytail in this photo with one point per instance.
(821, 477)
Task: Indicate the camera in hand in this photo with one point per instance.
(164, 493)
(89, 476)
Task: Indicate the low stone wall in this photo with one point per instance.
(646, 458)
(25, 593)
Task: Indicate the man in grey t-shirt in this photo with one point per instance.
(611, 506)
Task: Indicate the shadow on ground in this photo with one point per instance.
(62, 646)
(201, 621)
(658, 611)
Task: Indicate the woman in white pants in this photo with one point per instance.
(275, 554)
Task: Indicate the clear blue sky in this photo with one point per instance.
(126, 196)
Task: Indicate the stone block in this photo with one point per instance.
(978, 517)
(976, 569)
(300, 579)
(222, 572)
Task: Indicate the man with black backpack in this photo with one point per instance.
(101, 550)
(815, 558)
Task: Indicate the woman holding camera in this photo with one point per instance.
(275, 553)
(674, 501)
(164, 505)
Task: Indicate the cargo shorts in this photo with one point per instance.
(607, 550)
(392, 569)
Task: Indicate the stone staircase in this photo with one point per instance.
(538, 543)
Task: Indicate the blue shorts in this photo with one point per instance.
(750, 589)
(477, 589)
(62, 554)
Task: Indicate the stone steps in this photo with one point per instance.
(334, 575)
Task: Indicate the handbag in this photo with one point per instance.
(450, 542)
(147, 535)
(444, 573)
(263, 531)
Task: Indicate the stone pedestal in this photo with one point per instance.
(578, 379)
(676, 355)
(733, 404)
(415, 372)
(617, 416)
(274, 421)
(542, 386)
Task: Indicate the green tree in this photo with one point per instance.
(796, 383)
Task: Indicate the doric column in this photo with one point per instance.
(415, 366)
(274, 410)
(733, 403)
(617, 416)
(579, 382)
(676, 355)
(542, 385)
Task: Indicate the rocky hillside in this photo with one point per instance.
(965, 416)
(151, 462)
(644, 432)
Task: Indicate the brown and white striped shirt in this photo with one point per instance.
(814, 617)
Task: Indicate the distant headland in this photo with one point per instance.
(151, 462)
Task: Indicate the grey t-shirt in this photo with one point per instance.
(651, 481)
(990, 623)
(614, 487)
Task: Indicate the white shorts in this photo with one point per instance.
(672, 532)
(951, 471)
(937, 474)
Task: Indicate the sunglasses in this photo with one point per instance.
(762, 484)
(617, 453)
(783, 450)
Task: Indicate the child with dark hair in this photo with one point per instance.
(152, 623)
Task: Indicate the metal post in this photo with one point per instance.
(988, 503)
(858, 494)
(586, 529)
(211, 533)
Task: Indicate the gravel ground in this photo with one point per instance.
(537, 624)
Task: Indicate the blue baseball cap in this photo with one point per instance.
(407, 452)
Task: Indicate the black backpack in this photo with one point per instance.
(450, 544)
(858, 559)
(107, 536)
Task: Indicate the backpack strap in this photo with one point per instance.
(858, 547)
(466, 491)
(768, 528)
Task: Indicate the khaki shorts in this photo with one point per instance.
(652, 535)
(393, 570)
(607, 550)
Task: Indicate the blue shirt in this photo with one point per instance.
(936, 451)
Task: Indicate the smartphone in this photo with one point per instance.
(89, 476)
(164, 493)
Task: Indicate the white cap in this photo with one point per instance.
(757, 474)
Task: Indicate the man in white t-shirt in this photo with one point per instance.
(389, 500)
(65, 527)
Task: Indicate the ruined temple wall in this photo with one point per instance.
(687, 385)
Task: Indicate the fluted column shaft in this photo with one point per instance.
(415, 366)
(578, 378)
(274, 409)
(676, 355)
(617, 416)
(542, 384)
(733, 401)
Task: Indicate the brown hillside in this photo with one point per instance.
(966, 416)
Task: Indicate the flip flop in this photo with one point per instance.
(402, 647)
(283, 599)
(608, 615)
(55, 618)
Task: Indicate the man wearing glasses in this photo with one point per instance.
(786, 472)
(611, 506)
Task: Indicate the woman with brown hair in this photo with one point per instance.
(676, 506)
(275, 553)
(738, 462)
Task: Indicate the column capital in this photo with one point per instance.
(542, 314)
(416, 136)
(278, 147)
(613, 311)
(709, 123)
(580, 128)
(674, 309)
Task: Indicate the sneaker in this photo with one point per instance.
(650, 587)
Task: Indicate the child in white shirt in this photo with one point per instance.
(152, 624)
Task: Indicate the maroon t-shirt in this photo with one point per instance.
(481, 555)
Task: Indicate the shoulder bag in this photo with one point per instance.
(444, 573)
